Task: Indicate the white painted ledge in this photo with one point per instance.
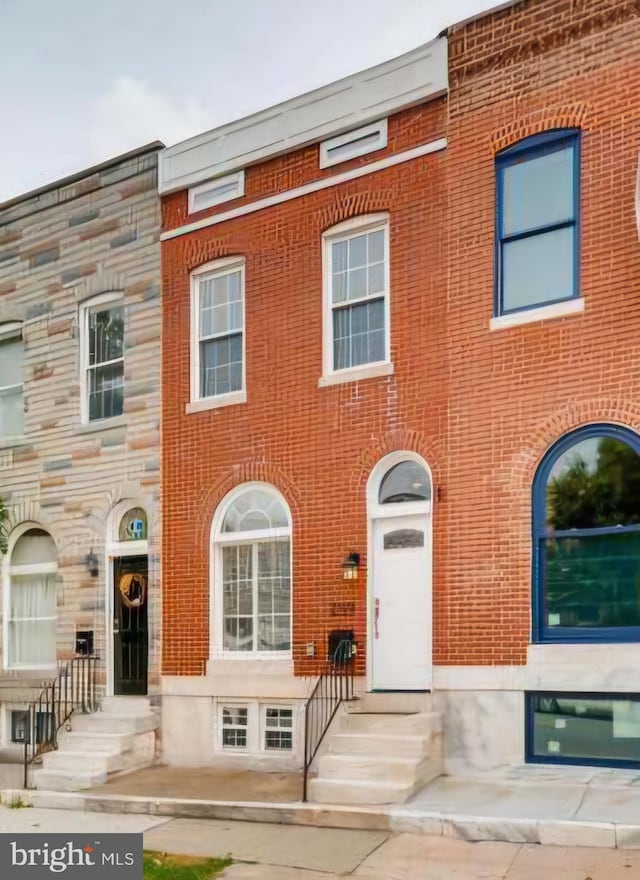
(355, 375)
(539, 313)
(196, 406)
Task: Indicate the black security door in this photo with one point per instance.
(130, 631)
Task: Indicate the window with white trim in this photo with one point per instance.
(11, 381)
(218, 330)
(252, 573)
(102, 326)
(353, 143)
(235, 723)
(31, 621)
(278, 728)
(215, 192)
(357, 294)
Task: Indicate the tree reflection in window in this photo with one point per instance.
(588, 546)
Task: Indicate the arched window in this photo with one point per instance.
(586, 532)
(406, 481)
(133, 525)
(252, 571)
(31, 623)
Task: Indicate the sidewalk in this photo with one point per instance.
(268, 852)
(572, 806)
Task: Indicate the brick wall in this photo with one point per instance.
(316, 445)
(512, 392)
(481, 406)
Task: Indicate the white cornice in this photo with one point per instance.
(355, 100)
(314, 186)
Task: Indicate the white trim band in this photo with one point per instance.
(308, 188)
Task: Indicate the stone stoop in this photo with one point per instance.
(117, 739)
(382, 749)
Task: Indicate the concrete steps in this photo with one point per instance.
(380, 750)
(117, 739)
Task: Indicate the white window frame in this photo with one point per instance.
(342, 232)
(11, 331)
(218, 541)
(222, 189)
(197, 403)
(263, 729)
(113, 298)
(354, 143)
(8, 571)
(234, 707)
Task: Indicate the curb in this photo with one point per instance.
(394, 818)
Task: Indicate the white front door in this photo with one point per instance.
(400, 604)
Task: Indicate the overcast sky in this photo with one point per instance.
(84, 80)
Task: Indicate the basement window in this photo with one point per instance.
(20, 732)
(235, 723)
(601, 730)
(278, 729)
(215, 192)
(354, 143)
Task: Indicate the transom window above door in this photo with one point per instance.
(586, 522)
(356, 320)
(406, 481)
(251, 563)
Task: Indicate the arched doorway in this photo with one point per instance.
(128, 600)
(399, 582)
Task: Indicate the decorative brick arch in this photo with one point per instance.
(346, 207)
(518, 473)
(397, 441)
(247, 472)
(563, 116)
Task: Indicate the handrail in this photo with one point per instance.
(333, 686)
(74, 689)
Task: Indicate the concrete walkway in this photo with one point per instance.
(571, 806)
(270, 852)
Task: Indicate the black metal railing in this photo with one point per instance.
(73, 690)
(334, 686)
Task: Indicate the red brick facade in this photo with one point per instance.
(480, 406)
(512, 392)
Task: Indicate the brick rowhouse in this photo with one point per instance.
(481, 398)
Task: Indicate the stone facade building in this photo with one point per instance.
(79, 431)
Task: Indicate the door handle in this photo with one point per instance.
(375, 618)
(116, 625)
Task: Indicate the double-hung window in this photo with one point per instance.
(11, 387)
(218, 332)
(357, 295)
(537, 222)
(103, 328)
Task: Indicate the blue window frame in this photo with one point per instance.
(586, 538)
(537, 221)
(599, 730)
